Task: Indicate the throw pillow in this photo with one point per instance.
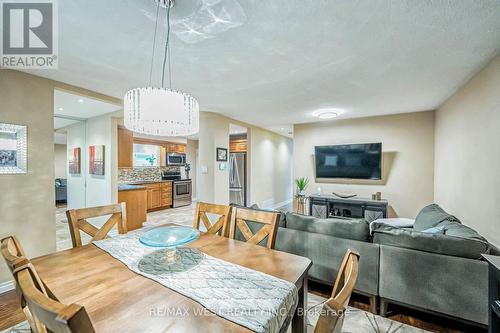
(430, 216)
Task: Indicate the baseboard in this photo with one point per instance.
(283, 203)
(6, 286)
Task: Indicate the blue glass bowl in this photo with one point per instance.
(169, 237)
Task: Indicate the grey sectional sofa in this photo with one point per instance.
(435, 266)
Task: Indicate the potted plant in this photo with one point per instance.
(187, 168)
(151, 159)
(301, 183)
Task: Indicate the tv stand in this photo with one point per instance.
(330, 206)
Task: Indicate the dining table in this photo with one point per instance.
(120, 300)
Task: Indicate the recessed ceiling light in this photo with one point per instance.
(80, 100)
(60, 109)
(282, 129)
(327, 113)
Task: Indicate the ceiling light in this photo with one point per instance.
(80, 100)
(282, 129)
(160, 110)
(327, 113)
(60, 109)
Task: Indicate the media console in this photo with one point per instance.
(330, 206)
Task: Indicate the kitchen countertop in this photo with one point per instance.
(128, 187)
(139, 182)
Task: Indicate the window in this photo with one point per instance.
(146, 155)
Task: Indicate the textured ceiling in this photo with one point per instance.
(286, 58)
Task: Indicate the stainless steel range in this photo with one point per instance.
(182, 189)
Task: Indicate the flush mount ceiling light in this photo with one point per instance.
(327, 113)
(161, 111)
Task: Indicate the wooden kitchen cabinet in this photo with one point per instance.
(176, 148)
(125, 147)
(159, 195)
(154, 196)
(136, 201)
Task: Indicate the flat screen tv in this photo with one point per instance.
(354, 161)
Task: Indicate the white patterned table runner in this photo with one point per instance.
(257, 301)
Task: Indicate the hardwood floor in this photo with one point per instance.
(10, 310)
(425, 321)
(11, 313)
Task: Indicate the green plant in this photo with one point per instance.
(151, 159)
(302, 183)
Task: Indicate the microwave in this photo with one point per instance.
(176, 159)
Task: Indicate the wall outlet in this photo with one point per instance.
(204, 169)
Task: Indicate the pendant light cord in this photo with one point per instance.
(167, 54)
(154, 44)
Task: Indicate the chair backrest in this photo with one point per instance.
(221, 226)
(332, 314)
(55, 316)
(269, 220)
(77, 220)
(12, 252)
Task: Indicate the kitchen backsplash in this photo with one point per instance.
(126, 175)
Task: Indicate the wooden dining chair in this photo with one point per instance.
(221, 226)
(53, 315)
(332, 315)
(77, 220)
(14, 257)
(269, 220)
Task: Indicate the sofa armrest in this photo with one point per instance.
(454, 286)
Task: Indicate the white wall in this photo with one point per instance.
(60, 164)
(86, 190)
(76, 182)
(269, 161)
(270, 168)
(467, 169)
(408, 157)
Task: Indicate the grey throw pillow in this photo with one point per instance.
(430, 216)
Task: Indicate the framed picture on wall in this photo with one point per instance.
(74, 161)
(221, 155)
(96, 160)
(13, 149)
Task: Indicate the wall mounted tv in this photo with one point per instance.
(353, 161)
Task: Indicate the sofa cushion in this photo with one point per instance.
(434, 243)
(356, 229)
(430, 216)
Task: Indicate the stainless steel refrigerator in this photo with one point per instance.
(237, 178)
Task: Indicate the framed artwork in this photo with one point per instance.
(221, 155)
(13, 149)
(96, 160)
(74, 161)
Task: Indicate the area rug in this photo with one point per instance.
(356, 321)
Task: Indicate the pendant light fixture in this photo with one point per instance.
(161, 111)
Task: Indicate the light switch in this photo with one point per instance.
(204, 169)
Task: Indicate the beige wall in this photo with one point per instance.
(467, 169)
(269, 163)
(270, 169)
(408, 157)
(27, 200)
(192, 159)
(60, 161)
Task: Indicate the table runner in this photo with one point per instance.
(255, 300)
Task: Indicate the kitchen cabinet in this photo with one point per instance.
(159, 195)
(125, 147)
(176, 148)
(238, 146)
(135, 198)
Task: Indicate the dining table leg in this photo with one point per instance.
(299, 322)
